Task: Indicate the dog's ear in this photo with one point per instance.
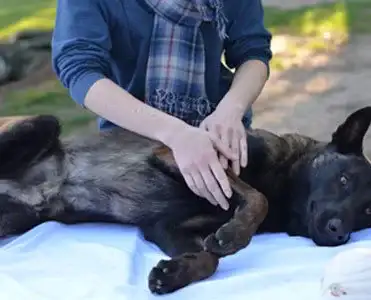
(348, 138)
(27, 141)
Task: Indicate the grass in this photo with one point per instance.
(320, 27)
(16, 15)
(308, 21)
(49, 98)
(323, 27)
(339, 18)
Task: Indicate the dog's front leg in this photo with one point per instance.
(236, 234)
(249, 214)
(188, 263)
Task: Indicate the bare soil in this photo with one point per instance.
(316, 97)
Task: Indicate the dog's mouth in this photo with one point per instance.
(325, 239)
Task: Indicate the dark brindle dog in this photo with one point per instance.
(314, 189)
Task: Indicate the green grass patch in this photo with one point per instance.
(311, 21)
(339, 19)
(342, 17)
(17, 15)
(322, 27)
(49, 98)
(359, 16)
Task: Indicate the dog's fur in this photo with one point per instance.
(314, 189)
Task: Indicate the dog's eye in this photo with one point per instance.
(343, 180)
(368, 211)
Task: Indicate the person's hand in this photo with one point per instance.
(228, 127)
(195, 152)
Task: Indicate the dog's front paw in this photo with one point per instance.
(227, 240)
(169, 275)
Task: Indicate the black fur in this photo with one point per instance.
(319, 190)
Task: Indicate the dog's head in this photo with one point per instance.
(333, 188)
(28, 152)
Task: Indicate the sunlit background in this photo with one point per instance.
(321, 68)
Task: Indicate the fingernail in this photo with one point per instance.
(236, 171)
(225, 206)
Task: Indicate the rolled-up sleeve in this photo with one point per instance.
(81, 46)
(248, 37)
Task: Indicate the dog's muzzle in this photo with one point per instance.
(336, 232)
(331, 232)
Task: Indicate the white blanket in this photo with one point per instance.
(111, 262)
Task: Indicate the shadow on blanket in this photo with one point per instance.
(320, 190)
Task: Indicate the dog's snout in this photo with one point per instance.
(336, 231)
(335, 225)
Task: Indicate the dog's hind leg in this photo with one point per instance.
(189, 262)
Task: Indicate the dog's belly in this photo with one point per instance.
(139, 193)
(117, 181)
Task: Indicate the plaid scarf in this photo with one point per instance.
(175, 80)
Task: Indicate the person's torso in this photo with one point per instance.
(131, 24)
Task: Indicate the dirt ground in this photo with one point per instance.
(316, 97)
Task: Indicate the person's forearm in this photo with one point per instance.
(247, 85)
(113, 103)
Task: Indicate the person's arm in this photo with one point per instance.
(246, 86)
(80, 54)
(247, 50)
(126, 111)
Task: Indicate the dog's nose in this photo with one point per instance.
(335, 229)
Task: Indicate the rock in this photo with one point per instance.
(12, 61)
(33, 39)
(24, 54)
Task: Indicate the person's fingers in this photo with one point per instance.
(202, 188)
(213, 187)
(225, 140)
(217, 132)
(229, 133)
(221, 178)
(236, 148)
(223, 161)
(223, 148)
(244, 150)
(191, 184)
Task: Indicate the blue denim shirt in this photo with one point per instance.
(110, 38)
